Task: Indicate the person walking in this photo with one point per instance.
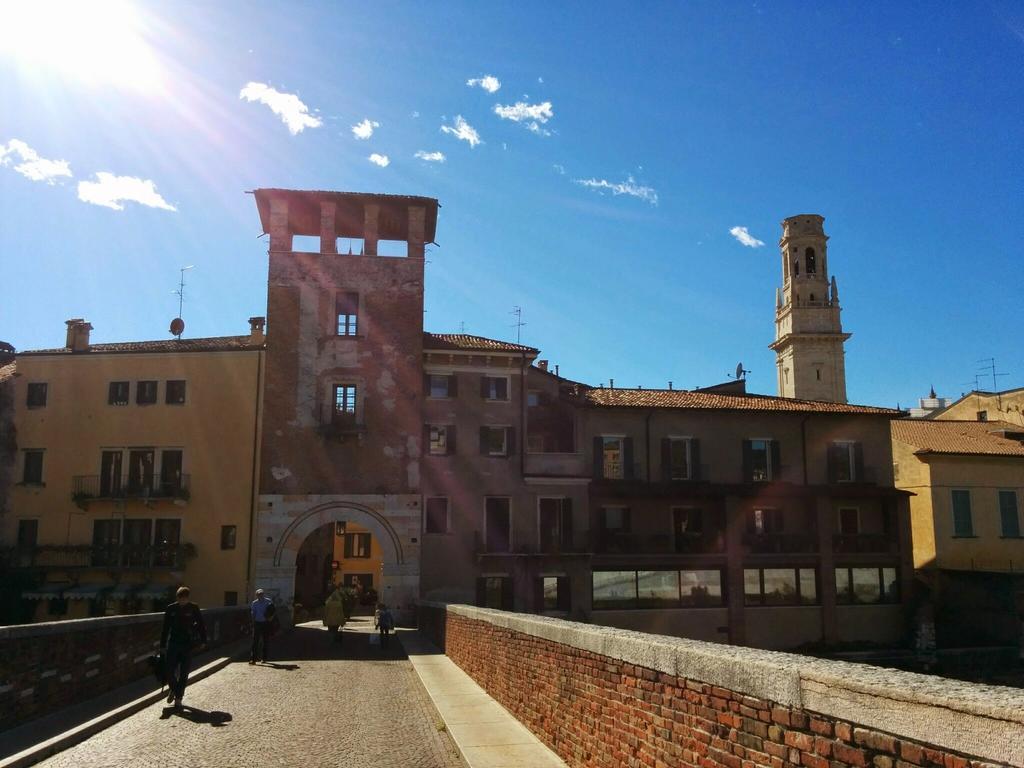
(385, 622)
(334, 614)
(183, 629)
(263, 611)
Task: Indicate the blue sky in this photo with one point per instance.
(901, 123)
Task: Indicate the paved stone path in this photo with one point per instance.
(313, 705)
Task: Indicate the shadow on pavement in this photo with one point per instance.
(214, 718)
(311, 641)
(275, 665)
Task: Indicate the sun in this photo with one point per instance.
(98, 43)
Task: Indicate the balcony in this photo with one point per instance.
(865, 543)
(119, 557)
(86, 488)
(780, 543)
(556, 465)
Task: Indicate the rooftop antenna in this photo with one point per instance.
(992, 370)
(518, 324)
(462, 326)
(740, 374)
(177, 324)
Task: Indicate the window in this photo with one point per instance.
(347, 309)
(441, 386)
(849, 521)
(962, 523)
(357, 545)
(657, 589)
(28, 534)
(140, 471)
(780, 586)
(171, 479)
(555, 519)
(167, 538)
(982, 415)
(110, 474)
(32, 473)
(811, 260)
(866, 586)
(554, 593)
(679, 459)
(437, 515)
(761, 522)
(138, 538)
(701, 589)
(760, 459)
(117, 394)
(498, 524)
(532, 399)
(494, 388)
(228, 536)
(845, 462)
(345, 401)
(615, 519)
(494, 592)
(1008, 514)
(174, 392)
(440, 439)
(613, 458)
(230, 599)
(106, 540)
(496, 441)
(614, 589)
(145, 392)
(687, 527)
(358, 581)
(36, 397)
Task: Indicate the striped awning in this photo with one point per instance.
(85, 591)
(153, 591)
(45, 592)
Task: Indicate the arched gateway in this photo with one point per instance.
(284, 522)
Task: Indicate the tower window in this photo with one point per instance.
(811, 260)
(796, 268)
(347, 309)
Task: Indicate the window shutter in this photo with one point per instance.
(566, 523)
(483, 440)
(506, 593)
(483, 387)
(666, 460)
(858, 462)
(426, 385)
(598, 458)
(695, 459)
(510, 441)
(748, 462)
(833, 463)
(451, 439)
(564, 603)
(627, 458)
(481, 591)
(776, 472)
(453, 385)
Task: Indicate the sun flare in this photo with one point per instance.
(98, 43)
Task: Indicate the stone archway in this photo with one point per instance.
(284, 522)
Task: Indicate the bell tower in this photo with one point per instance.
(808, 332)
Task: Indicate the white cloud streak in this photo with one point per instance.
(382, 160)
(463, 131)
(287, 106)
(30, 165)
(112, 191)
(629, 187)
(489, 83)
(431, 157)
(364, 130)
(744, 236)
(533, 116)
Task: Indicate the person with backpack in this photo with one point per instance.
(385, 623)
(334, 614)
(263, 613)
(183, 629)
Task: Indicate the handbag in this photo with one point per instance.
(157, 665)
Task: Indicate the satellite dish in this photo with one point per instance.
(739, 370)
(177, 326)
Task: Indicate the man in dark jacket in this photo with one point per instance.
(183, 628)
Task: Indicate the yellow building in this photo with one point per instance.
(1007, 406)
(968, 481)
(134, 472)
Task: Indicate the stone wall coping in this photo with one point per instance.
(967, 717)
(46, 628)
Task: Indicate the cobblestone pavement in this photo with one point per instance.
(313, 705)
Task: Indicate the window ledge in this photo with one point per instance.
(1018, 536)
(966, 536)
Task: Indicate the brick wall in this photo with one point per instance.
(44, 667)
(604, 697)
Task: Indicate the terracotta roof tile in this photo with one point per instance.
(679, 398)
(465, 342)
(958, 437)
(212, 344)
(8, 371)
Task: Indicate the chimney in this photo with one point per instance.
(542, 364)
(670, 386)
(556, 369)
(78, 335)
(611, 383)
(256, 326)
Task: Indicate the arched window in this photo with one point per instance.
(796, 267)
(811, 260)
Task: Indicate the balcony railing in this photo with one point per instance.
(864, 543)
(87, 487)
(780, 543)
(168, 556)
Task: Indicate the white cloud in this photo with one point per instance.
(532, 115)
(364, 130)
(111, 191)
(462, 131)
(540, 80)
(415, 114)
(559, 169)
(288, 106)
(628, 187)
(382, 160)
(431, 157)
(489, 83)
(30, 165)
(741, 234)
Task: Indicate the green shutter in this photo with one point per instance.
(1008, 514)
(962, 524)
